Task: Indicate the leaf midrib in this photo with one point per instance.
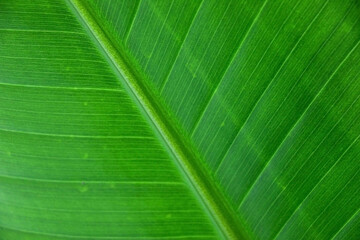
(207, 192)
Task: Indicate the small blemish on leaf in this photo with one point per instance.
(83, 187)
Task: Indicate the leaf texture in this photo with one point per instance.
(262, 96)
(79, 159)
(267, 92)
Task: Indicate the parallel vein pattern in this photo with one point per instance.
(78, 160)
(267, 92)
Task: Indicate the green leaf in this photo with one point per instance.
(179, 119)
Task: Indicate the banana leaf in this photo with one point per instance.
(180, 119)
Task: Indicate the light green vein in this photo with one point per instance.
(212, 200)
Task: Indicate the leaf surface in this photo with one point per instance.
(179, 119)
(79, 157)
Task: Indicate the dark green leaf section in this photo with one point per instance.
(78, 158)
(267, 92)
